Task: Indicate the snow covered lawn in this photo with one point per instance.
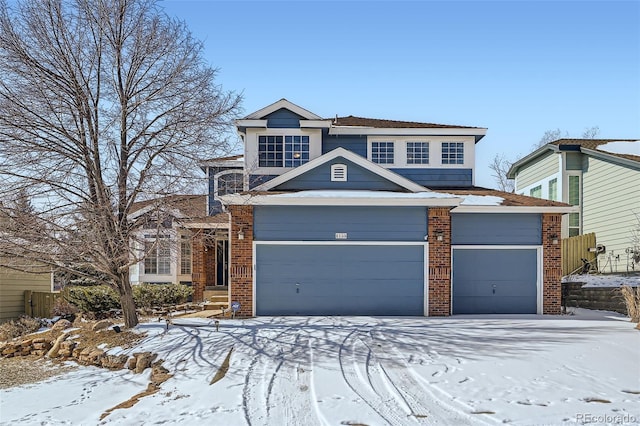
(363, 370)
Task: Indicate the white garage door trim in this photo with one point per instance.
(539, 266)
(348, 243)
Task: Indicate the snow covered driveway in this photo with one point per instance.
(372, 371)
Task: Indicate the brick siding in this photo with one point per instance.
(198, 266)
(439, 262)
(551, 264)
(241, 273)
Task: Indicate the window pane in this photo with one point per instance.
(574, 232)
(574, 190)
(382, 152)
(151, 261)
(452, 153)
(574, 219)
(417, 153)
(296, 151)
(185, 257)
(270, 151)
(536, 192)
(553, 189)
(231, 183)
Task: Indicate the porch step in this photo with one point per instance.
(216, 305)
(221, 298)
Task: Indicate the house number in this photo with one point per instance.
(341, 235)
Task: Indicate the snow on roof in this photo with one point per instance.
(469, 200)
(621, 147)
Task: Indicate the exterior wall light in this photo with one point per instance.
(439, 235)
(553, 238)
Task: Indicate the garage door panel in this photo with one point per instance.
(339, 280)
(494, 281)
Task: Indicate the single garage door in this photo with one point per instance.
(495, 281)
(339, 279)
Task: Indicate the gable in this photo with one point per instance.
(283, 119)
(358, 177)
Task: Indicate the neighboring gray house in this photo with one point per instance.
(361, 216)
(602, 178)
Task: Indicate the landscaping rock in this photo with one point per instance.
(114, 362)
(61, 325)
(101, 325)
(143, 361)
(159, 374)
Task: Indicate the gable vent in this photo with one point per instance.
(338, 173)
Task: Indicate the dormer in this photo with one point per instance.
(280, 137)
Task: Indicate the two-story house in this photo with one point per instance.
(601, 177)
(360, 216)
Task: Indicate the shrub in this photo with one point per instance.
(631, 297)
(147, 295)
(96, 299)
(20, 327)
(62, 308)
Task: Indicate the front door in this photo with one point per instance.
(222, 262)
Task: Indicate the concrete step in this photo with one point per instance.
(216, 305)
(222, 298)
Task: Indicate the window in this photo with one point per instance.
(536, 192)
(338, 173)
(279, 151)
(185, 256)
(417, 152)
(553, 189)
(158, 256)
(296, 150)
(230, 183)
(574, 200)
(382, 152)
(452, 153)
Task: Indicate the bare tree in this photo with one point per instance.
(500, 166)
(102, 103)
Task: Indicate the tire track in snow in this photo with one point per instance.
(254, 392)
(289, 396)
(422, 398)
(384, 405)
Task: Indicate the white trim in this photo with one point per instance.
(275, 200)
(283, 103)
(324, 124)
(227, 172)
(399, 131)
(539, 267)
(425, 250)
(251, 123)
(339, 173)
(514, 209)
(349, 155)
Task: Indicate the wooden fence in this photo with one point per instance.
(574, 249)
(39, 304)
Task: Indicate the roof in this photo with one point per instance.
(509, 199)
(391, 124)
(190, 206)
(595, 144)
(585, 146)
(231, 158)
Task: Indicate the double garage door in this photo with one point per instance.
(354, 279)
(340, 279)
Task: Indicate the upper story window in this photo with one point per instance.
(282, 151)
(553, 189)
(185, 255)
(574, 200)
(417, 152)
(452, 153)
(382, 152)
(536, 192)
(229, 183)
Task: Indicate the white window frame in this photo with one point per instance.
(251, 147)
(464, 153)
(435, 151)
(228, 172)
(157, 240)
(185, 239)
(406, 150)
(570, 174)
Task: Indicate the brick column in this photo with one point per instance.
(198, 272)
(241, 269)
(551, 264)
(439, 262)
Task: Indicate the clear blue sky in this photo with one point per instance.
(518, 68)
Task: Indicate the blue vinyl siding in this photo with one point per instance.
(283, 119)
(494, 281)
(496, 228)
(432, 178)
(357, 178)
(255, 180)
(339, 280)
(356, 144)
(320, 223)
